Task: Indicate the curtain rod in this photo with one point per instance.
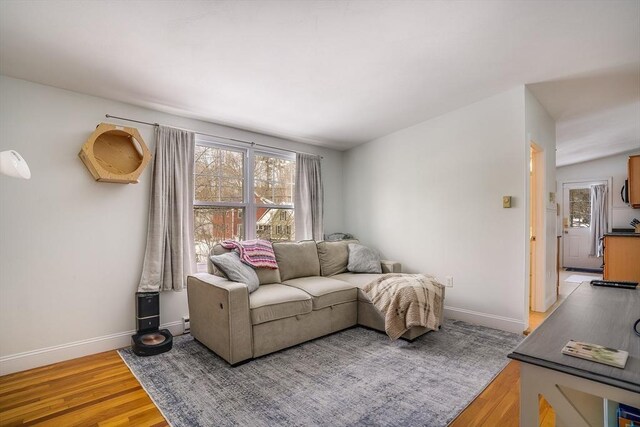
(253, 144)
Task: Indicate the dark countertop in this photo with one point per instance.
(622, 234)
(591, 314)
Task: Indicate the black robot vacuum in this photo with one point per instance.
(150, 340)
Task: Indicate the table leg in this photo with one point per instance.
(529, 407)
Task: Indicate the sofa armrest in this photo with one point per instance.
(391, 266)
(220, 317)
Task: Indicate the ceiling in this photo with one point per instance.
(331, 73)
(597, 114)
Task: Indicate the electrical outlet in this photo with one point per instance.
(186, 325)
(449, 283)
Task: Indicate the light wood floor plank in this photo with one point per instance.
(79, 384)
(82, 392)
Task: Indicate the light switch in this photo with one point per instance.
(506, 201)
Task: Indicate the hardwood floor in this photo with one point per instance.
(499, 403)
(99, 390)
(89, 391)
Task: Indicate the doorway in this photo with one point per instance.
(532, 226)
(537, 248)
(576, 225)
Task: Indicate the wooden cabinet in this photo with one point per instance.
(622, 258)
(634, 181)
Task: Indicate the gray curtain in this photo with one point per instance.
(309, 198)
(599, 223)
(170, 253)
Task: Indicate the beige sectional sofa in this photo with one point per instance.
(310, 295)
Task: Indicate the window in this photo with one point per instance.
(274, 184)
(241, 194)
(580, 207)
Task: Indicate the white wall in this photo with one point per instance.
(71, 249)
(614, 167)
(540, 129)
(430, 196)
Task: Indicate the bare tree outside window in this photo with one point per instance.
(274, 184)
(219, 180)
(219, 175)
(274, 180)
(213, 225)
(580, 207)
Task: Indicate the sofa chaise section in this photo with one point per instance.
(368, 314)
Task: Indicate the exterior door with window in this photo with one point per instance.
(577, 225)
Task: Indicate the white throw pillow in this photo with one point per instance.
(363, 259)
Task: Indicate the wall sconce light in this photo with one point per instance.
(13, 164)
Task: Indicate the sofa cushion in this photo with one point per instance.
(363, 259)
(297, 259)
(236, 270)
(265, 275)
(275, 301)
(325, 291)
(334, 257)
(359, 280)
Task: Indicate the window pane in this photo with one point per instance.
(213, 225)
(275, 224)
(231, 190)
(274, 180)
(219, 175)
(218, 189)
(282, 194)
(207, 159)
(262, 168)
(207, 188)
(580, 207)
(232, 164)
(263, 192)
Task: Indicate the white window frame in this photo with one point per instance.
(249, 205)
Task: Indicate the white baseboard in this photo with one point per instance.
(485, 319)
(46, 356)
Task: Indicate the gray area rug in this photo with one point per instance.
(351, 378)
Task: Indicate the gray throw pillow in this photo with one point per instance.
(363, 259)
(236, 270)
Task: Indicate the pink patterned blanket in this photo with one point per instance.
(257, 253)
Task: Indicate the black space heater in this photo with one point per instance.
(150, 340)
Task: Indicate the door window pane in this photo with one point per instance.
(214, 224)
(276, 225)
(580, 207)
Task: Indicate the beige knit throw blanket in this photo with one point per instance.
(406, 300)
